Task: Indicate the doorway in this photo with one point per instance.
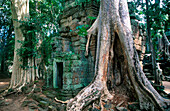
(59, 74)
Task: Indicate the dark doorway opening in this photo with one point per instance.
(59, 74)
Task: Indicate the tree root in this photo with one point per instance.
(60, 101)
(91, 31)
(30, 92)
(85, 97)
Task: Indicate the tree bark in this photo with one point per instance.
(20, 75)
(153, 56)
(117, 57)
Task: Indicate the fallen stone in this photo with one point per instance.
(41, 109)
(51, 108)
(36, 97)
(50, 96)
(28, 90)
(32, 106)
(24, 89)
(134, 106)
(2, 102)
(26, 102)
(62, 108)
(43, 104)
(121, 109)
(37, 90)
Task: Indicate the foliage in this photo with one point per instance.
(6, 36)
(38, 30)
(80, 2)
(158, 17)
(82, 29)
(158, 20)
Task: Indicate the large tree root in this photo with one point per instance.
(91, 31)
(88, 95)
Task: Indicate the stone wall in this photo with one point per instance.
(139, 38)
(69, 47)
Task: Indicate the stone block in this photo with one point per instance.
(28, 90)
(64, 29)
(76, 15)
(33, 106)
(43, 104)
(76, 63)
(63, 21)
(82, 13)
(83, 40)
(82, 47)
(64, 34)
(26, 102)
(76, 81)
(67, 69)
(68, 75)
(76, 38)
(74, 21)
(68, 63)
(78, 86)
(49, 95)
(70, 11)
(67, 87)
(73, 33)
(75, 57)
(134, 106)
(69, 82)
(76, 43)
(37, 90)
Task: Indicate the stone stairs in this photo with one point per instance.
(147, 68)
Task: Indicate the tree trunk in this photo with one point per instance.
(153, 56)
(117, 58)
(20, 75)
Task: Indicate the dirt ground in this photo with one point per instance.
(4, 83)
(13, 102)
(167, 86)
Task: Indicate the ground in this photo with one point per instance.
(167, 86)
(43, 99)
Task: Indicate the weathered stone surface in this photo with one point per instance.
(43, 104)
(52, 96)
(26, 102)
(28, 90)
(68, 82)
(68, 75)
(52, 108)
(121, 109)
(77, 86)
(83, 40)
(133, 106)
(32, 105)
(76, 63)
(73, 39)
(76, 43)
(37, 90)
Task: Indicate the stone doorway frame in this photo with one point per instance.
(55, 61)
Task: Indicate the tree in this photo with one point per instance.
(20, 13)
(34, 26)
(151, 45)
(116, 53)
